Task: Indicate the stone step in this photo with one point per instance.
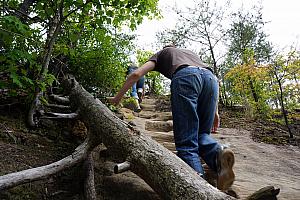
(148, 107)
(163, 116)
(162, 136)
(159, 126)
(156, 116)
(147, 100)
(146, 114)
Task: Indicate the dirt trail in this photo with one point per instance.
(257, 164)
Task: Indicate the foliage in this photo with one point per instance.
(101, 68)
(246, 81)
(246, 32)
(154, 79)
(276, 86)
(246, 40)
(19, 57)
(129, 103)
(86, 41)
(284, 72)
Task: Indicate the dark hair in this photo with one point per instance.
(169, 45)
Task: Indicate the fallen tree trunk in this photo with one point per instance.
(168, 175)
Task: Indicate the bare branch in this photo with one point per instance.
(52, 115)
(34, 174)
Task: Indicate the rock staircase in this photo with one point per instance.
(156, 124)
(257, 164)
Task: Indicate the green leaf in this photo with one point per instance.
(110, 13)
(16, 79)
(43, 100)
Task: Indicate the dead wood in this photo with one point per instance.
(33, 109)
(89, 182)
(63, 107)
(60, 99)
(168, 175)
(52, 115)
(122, 167)
(39, 173)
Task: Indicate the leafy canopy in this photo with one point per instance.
(89, 43)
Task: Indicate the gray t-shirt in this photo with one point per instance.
(170, 58)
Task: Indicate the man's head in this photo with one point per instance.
(169, 45)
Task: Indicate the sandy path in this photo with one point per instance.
(257, 164)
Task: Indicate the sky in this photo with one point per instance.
(283, 17)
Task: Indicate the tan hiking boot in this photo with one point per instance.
(225, 162)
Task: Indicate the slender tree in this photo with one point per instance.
(246, 34)
(285, 73)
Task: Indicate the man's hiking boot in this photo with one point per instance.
(225, 162)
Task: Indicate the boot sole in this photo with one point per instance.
(226, 176)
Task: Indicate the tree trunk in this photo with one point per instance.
(284, 113)
(167, 174)
(54, 30)
(22, 13)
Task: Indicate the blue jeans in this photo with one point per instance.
(137, 85)
(194, 95)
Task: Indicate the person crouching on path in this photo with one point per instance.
(194, 97)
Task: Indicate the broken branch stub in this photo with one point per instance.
(122, 167)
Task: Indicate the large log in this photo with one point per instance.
(168, 175)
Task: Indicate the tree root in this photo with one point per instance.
(39, 173)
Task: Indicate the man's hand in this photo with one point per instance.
(216, 123)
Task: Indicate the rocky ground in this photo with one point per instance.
(257, 164)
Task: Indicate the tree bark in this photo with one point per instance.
(60, 99)
(168, 175)
(54, 29)
(52, 115)
(22, 13)
(281, 100)
(89, 182)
